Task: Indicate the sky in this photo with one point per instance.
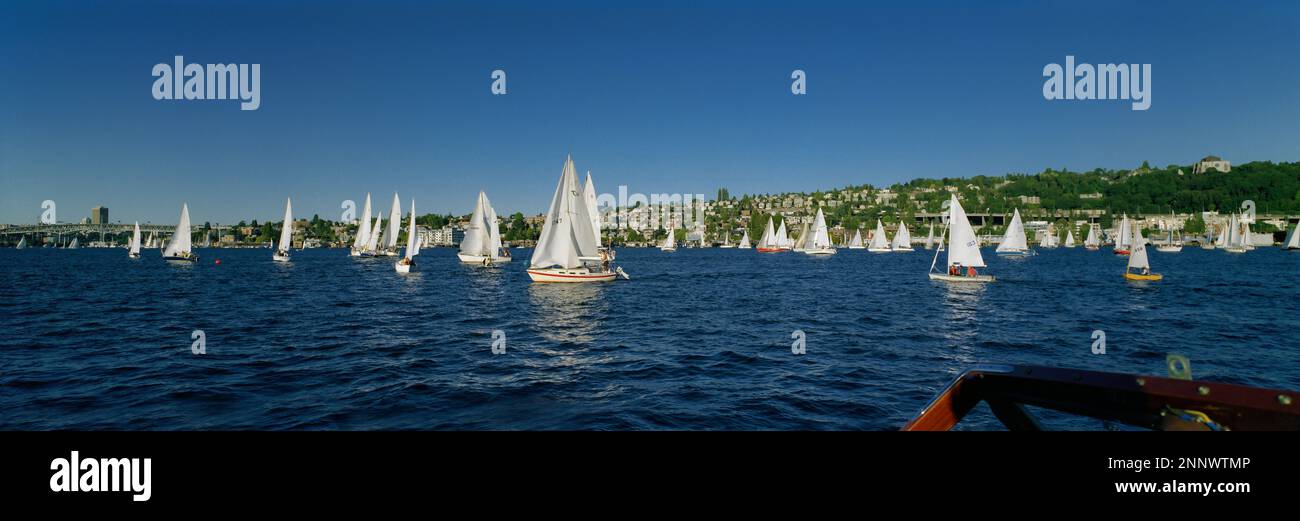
(662, 97)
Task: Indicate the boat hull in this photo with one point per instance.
(879, 250)
(903, 250)
(191, 258)
(820, 251)
(481, 259)
(1137, 276)
(133, 255)
(403, 268)
(564, 275)
(668, 250)
(770, 250)
(280, 257)
(1169, 249)
(958, 278)
(1121, 252)
(1015, 253)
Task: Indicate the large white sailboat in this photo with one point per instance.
(179, 248)
(286, 234)
(1014, 241)
(134, 252)
(567, 250)
(963, 249)
(407, 262)
(879, 242)
(388, 243)
(820, 242)
(363, 231)
(902, 239)
(744, 240)
(856, 242)
(482, 242)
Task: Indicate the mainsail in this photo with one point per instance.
(363, 228)
(1292, 240)
(821, 238)
(929, 239)
(878, 239)
(286, 230)
(566, 235)
(180, 242)
(1137, 255)
(412, 236)
(1014, 239)
(394, 225)
(589, 195)
(902, 238)
(1069, 238)
(1092, 239)
(478, 238)
(744, 240)
(135, 239)
(857, 239)
(963, 246)
(768, 240)
(373, 242)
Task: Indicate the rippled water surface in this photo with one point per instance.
(698, 339)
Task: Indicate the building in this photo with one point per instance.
(1212, 163)
(99, 215)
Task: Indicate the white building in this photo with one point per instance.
(1212, 162)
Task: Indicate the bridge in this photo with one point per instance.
(10, 234)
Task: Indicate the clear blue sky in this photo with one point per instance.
(675, 97)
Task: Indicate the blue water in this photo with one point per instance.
(699, 339)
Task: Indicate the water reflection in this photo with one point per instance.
(961, 321)
(568, 313)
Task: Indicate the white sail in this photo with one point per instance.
(373, 242)
(821, 238)
(1125, 240)
(180, 242)
(902, 238)
(1244, 238)
(566, 234)
(856, 242)
(73, 244)
(589, 195)
(768, 240)
(363, 228)
(1292, 240)
(286, 230)
(929, 239)
(1014, 239)
(394, 225)
(963, 246)
(412, 236)
(478, 239)
(744, 240)
(1069, 238)
(670, 242)
(22, 242)
(802, 242)
(494, 232)
(878, 239)
(1137, 254)
(782, 238)
(1092, 239)
(135, 239)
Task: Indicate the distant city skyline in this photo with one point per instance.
(682, 98)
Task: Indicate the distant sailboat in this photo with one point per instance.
(1092, 242)
(1292, 240)
(388, 246)
(73, 245)
(879, 243)
(726, 241)
(567, 250)
(963, 249)
(820, 243)
(1069, 238)
(372, 241)
(670, 243)
(286, 234)
(179, 248)
(363, 231)
(1170, 246)
(744, 240)
(768, 242)
(1049, 238)
(482, 242)
(902, 239)
(134, 252)
(412, 246)
(1124, 241)
(22, 241)
(783, 238)
(1014, 241)
(1137, 259)
(856, 243)
(929, 239)
(1232, 240)
(801, 243)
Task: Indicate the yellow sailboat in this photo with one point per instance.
(1137, 259)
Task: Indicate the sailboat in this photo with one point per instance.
(902, 239)
(1124, 241)
(134, 252)
(588, 195)
(388, 246)
(1014, 241)
(767, 243)
(1069, 238)
(801, 243)
(1137, 259)
(929, 239)
(286, 234)
(363, 231)
(1293, 240)
(963, 249)
(783, 241)
(1231, 240)
(1092, 242)
(372, 238)
(820, 243)
(879, 243)
(670, 243)
(482, 242)
(1170, 246)
(152, 243)
(179, 248)
(22, 241)
(726, 241)
(744, 239)
(73, 245)
(412, 246)
(567, 250)
(856, 243)
(1049, 238)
